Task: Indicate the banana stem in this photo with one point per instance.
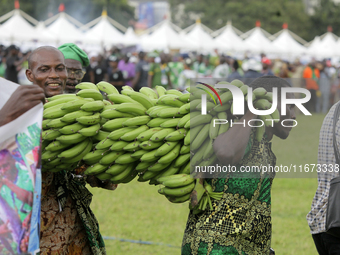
(197, 193)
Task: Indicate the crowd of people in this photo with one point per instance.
(65, 204)
(178, 71)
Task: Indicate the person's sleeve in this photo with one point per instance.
(306, 73)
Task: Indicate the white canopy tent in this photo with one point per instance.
(43, 34)
(228, 39)
(324, 46)
(64, 28)
(130, 38)
(257, 41)
(103, 32)
(17, 29)
(200, 40)
(163, 37)
(286, 43)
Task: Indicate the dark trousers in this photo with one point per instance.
(311, 104)
(327, 244)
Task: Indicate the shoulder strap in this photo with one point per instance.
(335, 120)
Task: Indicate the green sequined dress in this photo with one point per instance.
(240, 223)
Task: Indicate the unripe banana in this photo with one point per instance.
(170, 100)
(103, 176)
(221, 108)
(133, 146)
(191, 135)
(276, 116)
(183, 120)
(50, 155)
(198, 156)
(96, 169)
(174, 92)
(172, 155)
(56, 146)
(50, 134)
(110, 157)
(200, 138)
(142, 166)
(89, 120)
(160, 91)
(114, 124)
(176, 135)
(156, 122)
(90, 131)
(117, 134)
(178, 182)
(90, 93)
(260, 132)
(107, 88)
(123, 175)
(169, 113)
(71, 139)
(94, 156)
(125, 159)
(209, 106)
(104, 144)
(149, 156)
(160, 135)
(181, 160)
(184, 109)
(198, 120)
(157, 167)
(86, 85)
(50, 99)
(184, 149)
(209, 150)
(76, 104)
(177, 200)
(44, 124)
(148, 175)
(116, 169)
(56, 123)
(139, 154)
(149, 92)
(170, 123)
(54, 112)
(168, 172)
(213, 130)
(94, 106)
(132, 135)
(60, 101)
(113, 114)
(133, 108)
(259, 92)
(120, 99)
(165, 148)
(142, 99)
(262, 104)
(71, 117)
(80, 156)
(118, 145)
(146, 135)
(185, 98)
(101, 135)
(185, 169)
(181, 191)
(136, 121)
(75, 150)
(149, 145)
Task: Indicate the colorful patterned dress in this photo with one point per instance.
(240, 223)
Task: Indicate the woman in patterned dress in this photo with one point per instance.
(240, 223)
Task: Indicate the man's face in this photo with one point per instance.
(279, 130)
(48, 71)
(75, 74)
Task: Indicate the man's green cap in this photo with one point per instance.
(72, 51)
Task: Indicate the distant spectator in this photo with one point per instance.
(266, 66)
(159, 73)
(221, 71)
(252, 69)
(322, 104)
(235, 72)
(176, 67)
(311, 75)
(13, 63)
(127, 68)
(186, 76)
(116, 77)
(141, 71)
(199, 66)
(209, 68)
(99, 69)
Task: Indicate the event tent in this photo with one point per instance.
(17, 29)
(130, 38)
(228, 39)
(103, 32)
(324, 46)
(286, 43)
(43, 34)
(64, 28)
(163, 37)
(200, 39)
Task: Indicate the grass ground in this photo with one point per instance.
(136, 211)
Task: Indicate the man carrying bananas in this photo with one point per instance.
(240, 223)
(68, 225)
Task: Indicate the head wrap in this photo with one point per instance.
(72, 51)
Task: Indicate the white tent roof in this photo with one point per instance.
(325, 47)
(43, 34)
(64, 29)
(163, 38)
(229, 40)
(103, 32)
(130, 38)
(16, 28)
(200, 39)
(257, 42)
(286, 44)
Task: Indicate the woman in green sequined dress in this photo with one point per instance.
(240, 223)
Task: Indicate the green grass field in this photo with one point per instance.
(136, 211)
